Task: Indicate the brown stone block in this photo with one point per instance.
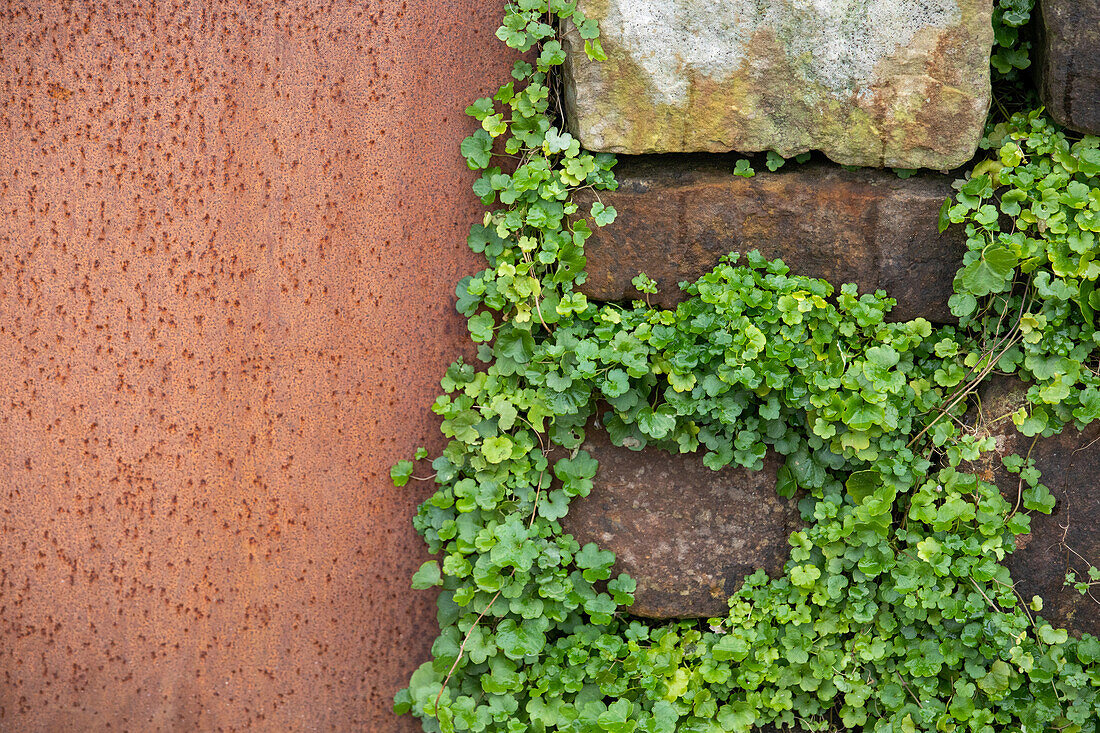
(677, 215)
(1068, 62)
(687, 534)
(1068, 538)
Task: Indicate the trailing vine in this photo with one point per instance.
(894, 612)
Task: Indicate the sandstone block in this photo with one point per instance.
(687, 534)
(677, 215)
(1066, 540)
(1068, 62)
(873, 83)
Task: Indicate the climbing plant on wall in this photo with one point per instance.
(894, 612)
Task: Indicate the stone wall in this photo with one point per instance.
(879, 83)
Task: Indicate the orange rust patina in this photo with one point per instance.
(229, 237)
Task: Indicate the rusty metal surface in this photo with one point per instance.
(229, 237)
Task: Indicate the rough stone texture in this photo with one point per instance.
(1069, 537)
(1068, 62)
(687, 534)
(677, 215)
(901, 83)
(229, 239)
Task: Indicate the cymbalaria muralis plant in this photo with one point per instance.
(894, 612)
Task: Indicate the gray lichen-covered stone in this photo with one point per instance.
(1068, 539)
(901, 83)
(1068, 62)
(687, 534)
(677, 215)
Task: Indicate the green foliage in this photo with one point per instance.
(1010, 62)
(1085, 585)
(643, 283)
(1032, 216)
(401, 473)
(894, 612)
(1011, 51)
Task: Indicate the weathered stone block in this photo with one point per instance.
(677, 215)
(1068, 62)
(1068, 538)
(687, 534)
(869, 82)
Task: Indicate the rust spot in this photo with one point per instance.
(226, 281)
(59, 92)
